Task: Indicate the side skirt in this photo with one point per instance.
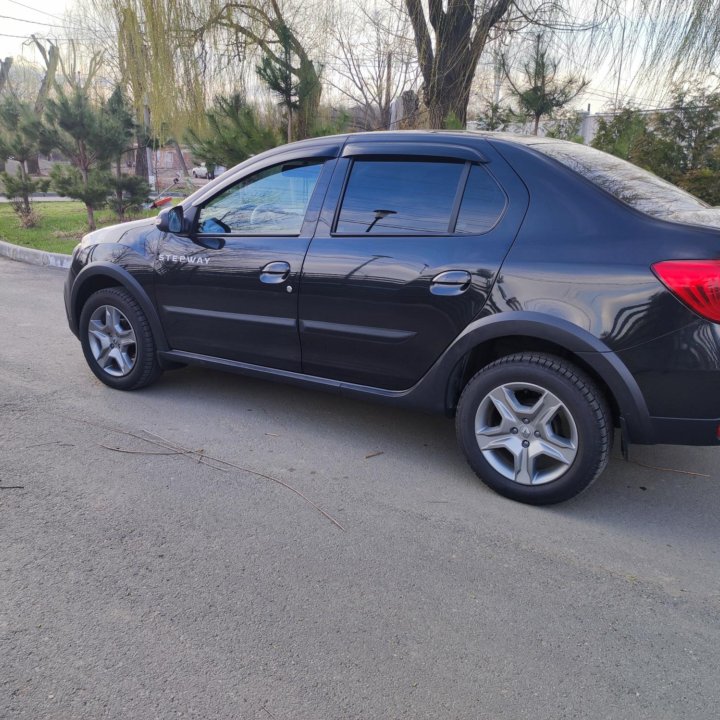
(407, 398)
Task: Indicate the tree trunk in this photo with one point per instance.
(118, 192)
(51, 58)
(5, 66)
(90, 216)
(449, 99)
(25, 196)
(51, 63)
(141, 166)
(308, 101)
(448, 64)
(387, 95)
(179, 155)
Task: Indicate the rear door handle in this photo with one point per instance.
(275, 272)
(452, 282)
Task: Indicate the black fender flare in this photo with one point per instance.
(123, 278)
(634, 414)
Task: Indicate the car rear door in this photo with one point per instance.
(410, 239)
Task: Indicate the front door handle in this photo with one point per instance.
(275, 272)
(452, 282)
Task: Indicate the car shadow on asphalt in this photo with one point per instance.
(660, 488)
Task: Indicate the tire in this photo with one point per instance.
(534, 428)
(117, 340)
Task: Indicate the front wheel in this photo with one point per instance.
(534, 428)
(117, 340)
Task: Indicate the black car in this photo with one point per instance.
(541, 292)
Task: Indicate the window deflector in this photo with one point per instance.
(413, 149)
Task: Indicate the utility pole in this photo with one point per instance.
(622, 51)
(152, 179)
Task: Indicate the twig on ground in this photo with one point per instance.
(138, 452)
(12, 487)
(256, 473)
(375, 454)
(204, 459)
(666, 469)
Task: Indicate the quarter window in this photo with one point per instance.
(399, 197)
(482, 204)
(270, 202)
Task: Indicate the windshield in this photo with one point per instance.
(627, 182)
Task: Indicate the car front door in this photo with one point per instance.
(229, 289)
(409, 243)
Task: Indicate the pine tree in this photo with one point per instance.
(276, 71)
(88, 136)
(234, 133)
(541, 93)
(129, 192)
(20, 132)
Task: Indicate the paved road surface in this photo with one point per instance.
(144, 586)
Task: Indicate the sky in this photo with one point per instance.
(21, 18)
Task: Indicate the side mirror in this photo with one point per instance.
(172, 220)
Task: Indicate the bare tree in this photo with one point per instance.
(449, 43)
(374, 59)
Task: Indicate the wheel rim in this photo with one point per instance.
(526, 433)
(112, 341)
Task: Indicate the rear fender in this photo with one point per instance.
(635, 417)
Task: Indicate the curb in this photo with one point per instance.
(34, 257)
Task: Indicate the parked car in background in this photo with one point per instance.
(541, 292)
(200, 171)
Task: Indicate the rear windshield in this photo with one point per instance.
(627, 182)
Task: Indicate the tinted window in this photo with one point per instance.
(482, 204)
(399, 197)
(271, 202)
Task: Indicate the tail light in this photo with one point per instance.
(695, 282)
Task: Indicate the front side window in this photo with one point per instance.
(270, 202)
(399, 197)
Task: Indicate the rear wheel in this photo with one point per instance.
(534, 428)
(117, 340)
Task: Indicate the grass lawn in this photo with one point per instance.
(61, 225)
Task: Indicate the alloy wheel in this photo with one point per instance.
(112, 341)
(526, 433)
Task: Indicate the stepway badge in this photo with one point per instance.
(191, 259)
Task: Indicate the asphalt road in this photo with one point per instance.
(140, 585)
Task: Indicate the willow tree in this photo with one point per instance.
(156, 59)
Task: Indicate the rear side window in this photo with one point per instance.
(399, 197)
(482, 204)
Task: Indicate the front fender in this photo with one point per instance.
(102, 269)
